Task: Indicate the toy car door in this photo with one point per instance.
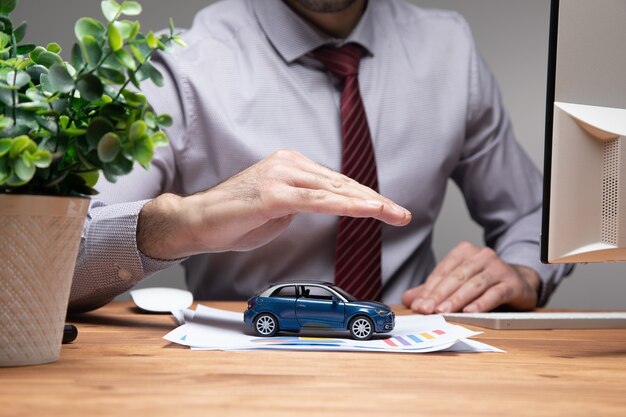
(317, 307)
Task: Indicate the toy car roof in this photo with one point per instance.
(302, 282)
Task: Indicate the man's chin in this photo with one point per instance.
(326, 6)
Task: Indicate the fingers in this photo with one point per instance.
(297, 184)
(291, 200)
(495, 296)
(467, 281)
(419, 298)
(471, 279)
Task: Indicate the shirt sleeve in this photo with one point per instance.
(109, 261)
(501, 185)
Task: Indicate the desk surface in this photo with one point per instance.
(120, 365)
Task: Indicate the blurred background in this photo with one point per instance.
(513, 37)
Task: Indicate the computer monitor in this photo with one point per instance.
(584, 205)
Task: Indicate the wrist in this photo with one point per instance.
(530, 276)
(160, 232)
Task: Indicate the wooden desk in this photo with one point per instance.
(120, 365)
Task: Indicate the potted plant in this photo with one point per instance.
(62, 125)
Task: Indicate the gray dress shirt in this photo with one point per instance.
(247, 86)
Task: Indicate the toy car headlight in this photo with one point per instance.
(383, 313)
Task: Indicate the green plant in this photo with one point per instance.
(63, 123)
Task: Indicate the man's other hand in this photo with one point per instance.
(254, 206)
(471, 279)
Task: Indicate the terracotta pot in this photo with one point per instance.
(39, 239)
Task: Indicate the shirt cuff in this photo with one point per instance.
(112, 234)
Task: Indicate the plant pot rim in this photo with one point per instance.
(43, 205)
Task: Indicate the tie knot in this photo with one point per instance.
(342, 61)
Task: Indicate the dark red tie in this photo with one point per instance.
(357, 254)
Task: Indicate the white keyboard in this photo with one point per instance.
(541, 320)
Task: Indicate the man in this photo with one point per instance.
(394, 96)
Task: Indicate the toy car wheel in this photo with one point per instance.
(265, 325)
(361, 328)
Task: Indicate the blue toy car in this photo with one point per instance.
(292, 306)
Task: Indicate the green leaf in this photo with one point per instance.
(135, 31)
(86, 26)
(26, 48)
(46, 85)
(35, 95)
(23, 170)
(143, 150)
(35, 72)
(116, 42)
(5, 40)
(126, 28)
(108, 147)
(113, 111)
(48, 123)
(64, 121)
(6, 97)
(112, 75)
(90, 87)
(54, 47)
(48, 59)
(7, 6)
(179, 41)
(91, 177)
(134, 100)
(171, 25)
(5, 171)
(165, 120)
(91, 50)
(98, 127)
(150, 119)
(61, 78)
(41, 158)
(34, 55)
(77, 57)
(110, 9)
(18, 79)
(165, 44)
(132, 76)
(137, 130)
(59, 105)
(125, 59)
(131, 8)
(21, 144)
(156, 76)
(6, 22)
(5, 122)
(20, 31)
(137, 54)
(5, 146)
(152, 40)
(159, 139)
(120, 166)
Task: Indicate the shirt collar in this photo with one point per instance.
(293, 37)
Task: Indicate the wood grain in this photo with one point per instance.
(120, 365)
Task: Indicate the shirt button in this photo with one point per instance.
(124, 274)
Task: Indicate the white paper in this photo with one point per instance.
(214, 329)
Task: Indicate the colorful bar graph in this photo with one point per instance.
(402, 341)
(390, 342)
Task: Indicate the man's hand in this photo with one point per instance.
(253, 207)
(471, 279)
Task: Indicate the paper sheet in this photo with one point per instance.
(214, 329)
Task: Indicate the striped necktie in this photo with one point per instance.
(358, 245)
